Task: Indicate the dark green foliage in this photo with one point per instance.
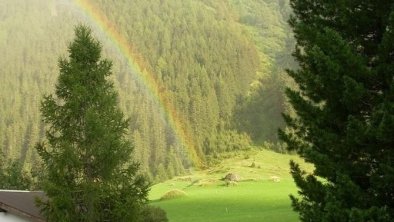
(153, 214)
(260, 113)
(161, 173)
(86, 157)
(345, 108)
(184, 48)
(12, 175)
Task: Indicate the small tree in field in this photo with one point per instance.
(345, 109)
(87, 159)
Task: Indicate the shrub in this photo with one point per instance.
(153, 214)
(172, 194)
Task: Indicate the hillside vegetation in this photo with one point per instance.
(213, 59)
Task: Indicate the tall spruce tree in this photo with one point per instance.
(87, 159)
(345, 109)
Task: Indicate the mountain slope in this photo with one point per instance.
(204, 54)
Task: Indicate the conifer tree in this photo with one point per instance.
(345, 110)
(86, 156)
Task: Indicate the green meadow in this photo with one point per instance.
(257, 197)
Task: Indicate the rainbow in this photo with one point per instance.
(136, 62)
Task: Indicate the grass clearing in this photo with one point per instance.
(256, 198)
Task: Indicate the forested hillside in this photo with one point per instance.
(258, 112)
(219, 63)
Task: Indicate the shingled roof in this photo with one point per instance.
(21, 203)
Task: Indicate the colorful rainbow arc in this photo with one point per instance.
(135, 63)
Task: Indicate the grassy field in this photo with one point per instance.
(256, 198)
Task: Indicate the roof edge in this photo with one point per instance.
(18, 212)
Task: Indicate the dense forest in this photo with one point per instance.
(220, 62)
